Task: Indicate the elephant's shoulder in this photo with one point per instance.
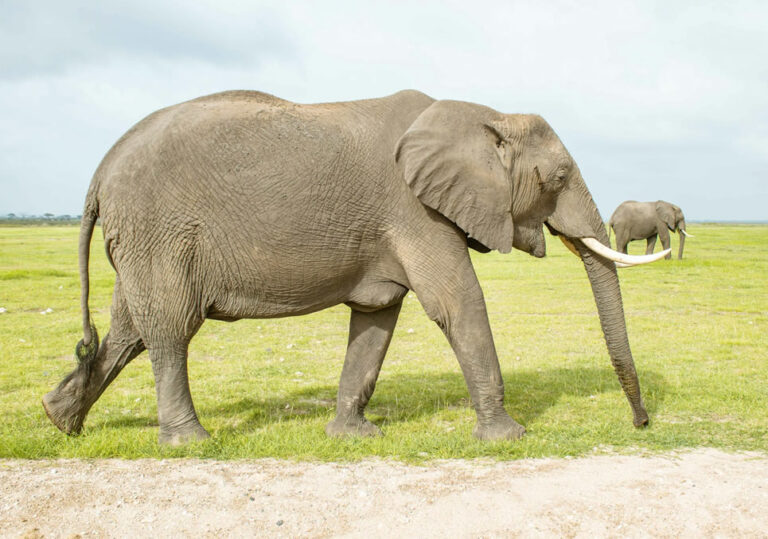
(241, 96)
(406, 99)
(403, 98)
(412, 94)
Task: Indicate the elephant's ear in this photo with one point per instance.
(666, 213)
(457, 160)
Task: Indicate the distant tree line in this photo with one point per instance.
(45, 219)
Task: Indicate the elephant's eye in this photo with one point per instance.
(555, 183)
(560, 177)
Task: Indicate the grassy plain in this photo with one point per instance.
(698, 330)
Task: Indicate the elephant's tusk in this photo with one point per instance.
(570, 246)
(686, 234)
(621, 258)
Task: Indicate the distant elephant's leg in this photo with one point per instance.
(454, 300)
(622, 240)
(650, 244)
(369, 337)
(68, 404)
(664, 236)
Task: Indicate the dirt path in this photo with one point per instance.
(702, 493)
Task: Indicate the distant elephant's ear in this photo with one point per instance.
(457, 160)
(666, 213)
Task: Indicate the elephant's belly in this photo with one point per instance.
(372, 296)
(291, 280)
(363, 294)
(235, 306)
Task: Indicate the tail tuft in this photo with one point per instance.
(86, 353)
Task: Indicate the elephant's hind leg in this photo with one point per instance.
(68, 404)
(166, 306)
(167, 326)
(176, 412)
(369, 337)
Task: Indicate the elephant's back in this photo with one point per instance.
(251, 149)
(242, 96)
(223, 148)
(628, 210)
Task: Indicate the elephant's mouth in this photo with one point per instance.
(530, 239)
(551, 229)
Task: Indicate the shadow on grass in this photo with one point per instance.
(403, 398)
(138, 422)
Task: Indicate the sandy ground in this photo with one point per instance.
(704, 493)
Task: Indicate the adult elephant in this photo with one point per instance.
(243, 205)
(634, 220)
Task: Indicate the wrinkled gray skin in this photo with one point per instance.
(243, 205)
(634, 220)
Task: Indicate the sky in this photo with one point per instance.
(653, 99)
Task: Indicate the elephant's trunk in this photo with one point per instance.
(576, 216)
(681, 229)
(605, 287)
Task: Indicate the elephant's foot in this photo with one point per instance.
(501, 427)
(355, 425)
(640, 418)
(66, 408)
(190, 432)
(60, 413)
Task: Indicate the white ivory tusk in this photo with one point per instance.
(615, 256)
(574, 251)
(686, 233)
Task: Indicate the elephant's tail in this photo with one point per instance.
(86, 349)
(610, 226)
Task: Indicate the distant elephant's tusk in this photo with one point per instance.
(621, 258)
(570, 246)
(686, 234)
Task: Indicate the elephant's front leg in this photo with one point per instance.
(664, 237)
(456, 303)
(369, 337)
(469, 333)
(650, 244)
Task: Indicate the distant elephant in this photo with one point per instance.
(243, 205)
(645, 221)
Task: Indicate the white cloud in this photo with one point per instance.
(655, 98)
(55, 37)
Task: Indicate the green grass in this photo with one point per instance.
(267, 387)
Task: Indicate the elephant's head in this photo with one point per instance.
(501, 178)
(673, 218)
